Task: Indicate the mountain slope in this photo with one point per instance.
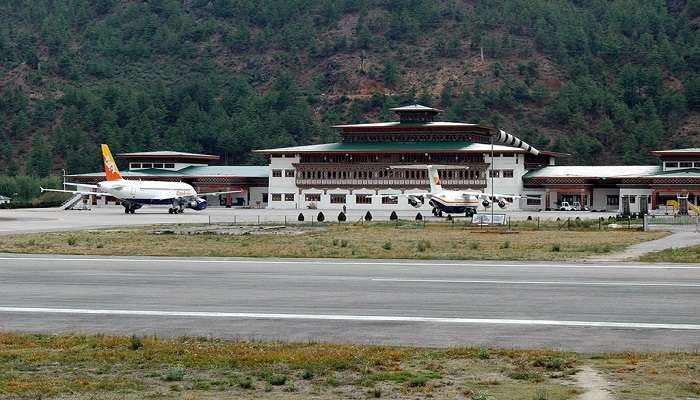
(605, 80)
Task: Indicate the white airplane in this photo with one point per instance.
(134, 194)
(450, 201)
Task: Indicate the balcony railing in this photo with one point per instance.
(359, 183)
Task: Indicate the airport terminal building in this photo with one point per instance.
(347, 173)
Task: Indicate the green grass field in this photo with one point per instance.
(103, 367)
(405, 240)
(680, 255)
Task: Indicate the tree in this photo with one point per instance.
(40, 158)
(389, 73)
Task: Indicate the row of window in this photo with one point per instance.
(334, 198)
(394, 174)
(151, 165)
(288, 173)
(682, 164)
(497, 173)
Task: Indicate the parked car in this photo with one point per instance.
(575, 206)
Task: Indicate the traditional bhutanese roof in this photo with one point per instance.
(603, 171)
(406, 147)
(437, 124)
(691, 151)
(168, 154)
(241, 171)
(414, 107)
(678, 173)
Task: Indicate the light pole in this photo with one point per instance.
(492, 176)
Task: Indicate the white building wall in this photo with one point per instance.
(286, 185)
(502, 185)
(634, 195)
(600, 199)
(534, 193)
(283, 185)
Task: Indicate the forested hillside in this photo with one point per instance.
(607, 80)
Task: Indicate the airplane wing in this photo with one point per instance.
(401, 194)
(218, 193)
(82, 185)
(86, 192)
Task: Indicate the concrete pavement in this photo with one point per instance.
(51, 220)
(591, 307)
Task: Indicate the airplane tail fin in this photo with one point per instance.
(111, 170)
(435, 185)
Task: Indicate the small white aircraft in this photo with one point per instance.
(134, 194)
(450, 201)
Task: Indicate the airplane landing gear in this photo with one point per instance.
(129, 209)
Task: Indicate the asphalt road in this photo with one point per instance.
(590, 308)
(49, 220)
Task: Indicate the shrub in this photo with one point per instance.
(72, 241)
(551, 363)
(556, 247)
(342, 217)
(386, 246)
(307, 374)
(541, 394)
(246, 383)
(135, 343)
(336, 242)
(393, 216)
(484, 354)
(320, 217)
(482, 395)
(474, 245)
(505, 245)
(419, 380)
(300, 218)
(201, 385)
(524, 375)
(174, 374)
(290, 387)
(377, 392)
(344, 243)
(368, 216)
(422, 245)
(277, 380)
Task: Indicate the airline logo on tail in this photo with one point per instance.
(111, 170)
(436, 180)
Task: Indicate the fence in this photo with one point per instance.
(672, 220)
(311, 218)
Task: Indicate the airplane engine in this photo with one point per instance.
(416, 201)
(199, 204)
(486, 203)
(502, 204)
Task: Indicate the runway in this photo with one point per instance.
(589, 308)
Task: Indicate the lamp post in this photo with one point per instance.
(492, 180)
